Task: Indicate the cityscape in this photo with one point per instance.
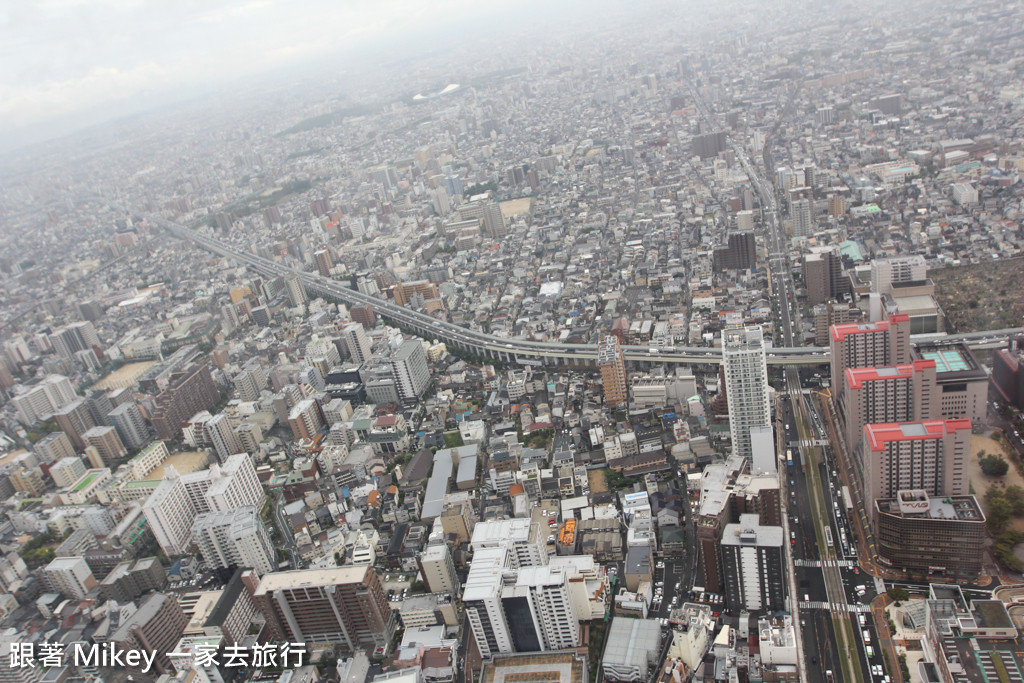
(561, 343)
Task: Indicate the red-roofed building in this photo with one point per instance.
(873, 344)
(930, 455)
(893, 393)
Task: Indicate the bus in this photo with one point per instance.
(847, 500)
(789, 456)
(828, 536)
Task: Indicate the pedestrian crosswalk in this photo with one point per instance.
(833, 606)
(808, 443)
(817, 563)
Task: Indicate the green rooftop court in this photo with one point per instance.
(89, 478)
(947, 360)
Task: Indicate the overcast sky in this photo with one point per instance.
(62, 59)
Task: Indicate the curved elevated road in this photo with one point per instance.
(519, 350)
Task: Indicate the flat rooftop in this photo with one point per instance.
(963, 508)
(309, 578)
(539, 667)
(879, 435)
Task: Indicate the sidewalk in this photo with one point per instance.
(885, 642)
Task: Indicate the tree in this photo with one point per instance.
(1014, 495)
(999, 513)
(899, 595)
(994, 466)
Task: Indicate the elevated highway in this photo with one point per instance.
(519, 350)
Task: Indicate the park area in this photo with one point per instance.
(1001, 497)
(983, 296)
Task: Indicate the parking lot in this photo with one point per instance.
(397, 585)
(668, 577)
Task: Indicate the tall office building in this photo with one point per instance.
(250, 381)
(324, 262)
(357, 342)
(130, 579)
(801, 211)
(728, 490)
(525, 539)
(709, 145)
(188, 391)
(345, 606)
(28, 480)
(885, 272)
(409, 368)
(173, 506)
(518, 609)
(322, 352)
(1008, 372)
(935, 534)
(872, 344)
(74, 337)
(823, 274)
(932, 456)
(363, 315)
(739, 253)
(221, 433)
(107, 443)
(74, 419)
(235, 538)
(827, 315)
(753, 566)
(131, 427)
(249, 436)
(305, 419)
(11, 670)
(295, 289)
(155, 627)
(539, 610)
(438, 569)
(895, 393)
(612, 364)
(961, 382)
(746, 385)
(489, 214)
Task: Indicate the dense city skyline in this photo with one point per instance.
(441, 343)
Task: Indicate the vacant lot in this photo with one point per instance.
(986, 296)
(597, 482)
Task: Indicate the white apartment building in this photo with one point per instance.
(67, 471)
(71, 576)
(358, 343)
(236, 538)
(438, 569)
(172, 508)
(130, 425)
(746, 385)
(48, 396)
(221, 433)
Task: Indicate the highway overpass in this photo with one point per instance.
(523, 351)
